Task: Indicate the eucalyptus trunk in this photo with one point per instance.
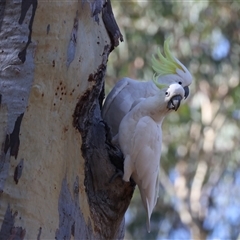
(56, 156)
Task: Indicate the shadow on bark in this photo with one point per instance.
(108, 201)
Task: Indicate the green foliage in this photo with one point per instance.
(204, 134)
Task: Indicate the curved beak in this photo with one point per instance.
(174, 102)
(186, 89)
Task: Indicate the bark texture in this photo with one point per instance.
(55, 160)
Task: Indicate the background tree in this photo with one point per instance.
(199, 193)
(55, 153)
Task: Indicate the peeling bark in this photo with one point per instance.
(18, 171)
(8, 230)
(71, 220)
(108, 201)
(73, 42)
(24, 8)
(111, 25)
(54, 179)
(96, 8)
(12, 140)
(15, 82)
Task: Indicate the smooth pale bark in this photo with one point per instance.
(55, 162)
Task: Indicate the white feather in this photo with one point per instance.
(140, 139)
(120, 100)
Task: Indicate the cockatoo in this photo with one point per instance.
(140, 139)
(119, 101)
(135, 111)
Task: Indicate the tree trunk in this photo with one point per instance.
(55, 162)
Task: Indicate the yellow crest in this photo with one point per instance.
(164, 65)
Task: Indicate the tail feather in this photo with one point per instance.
(148, 216)
(149, 197)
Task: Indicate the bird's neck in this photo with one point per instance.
(155, 108)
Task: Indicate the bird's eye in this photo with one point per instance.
(166, 93)
(180, 83)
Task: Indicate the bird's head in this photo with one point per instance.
(174, 93)
(170, 70)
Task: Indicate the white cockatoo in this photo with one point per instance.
(140, 139)
(119, 101)
(135, 111)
